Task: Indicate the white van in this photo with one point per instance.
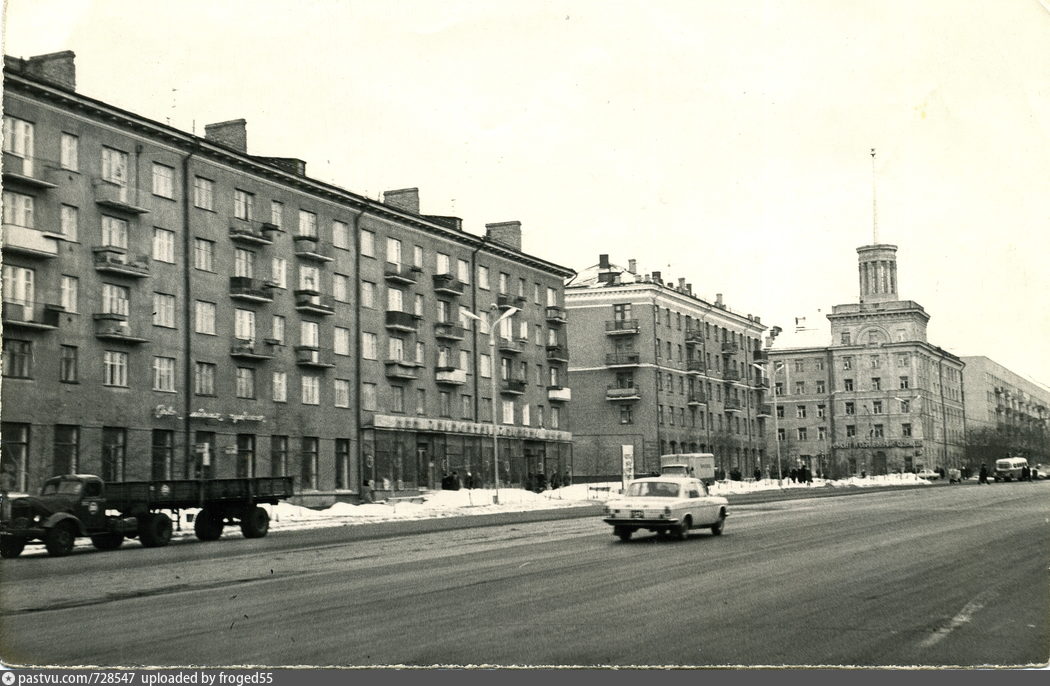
(1009, 468)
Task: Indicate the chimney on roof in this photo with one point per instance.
(603, 261)
(232, 134)
(718, 300)
(658, 278)
(689, 288)
(632, 266)
(681, 284)
(507, 233)
(406, 199)
(57, 68)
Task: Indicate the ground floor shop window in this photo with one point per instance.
(15, 457)
(308, 473)
(162, 453)
(114, 446)
(67, 449)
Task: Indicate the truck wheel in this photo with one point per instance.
(208, 525)
(11, 546)
(682, 532)
(155, 530)
(60, 538)
(720, 525)
(108, 541)
(255, 522)
(623, 532)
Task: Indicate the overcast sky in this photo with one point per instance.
(723, 142)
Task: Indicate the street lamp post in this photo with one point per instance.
(776, 367)
(492, 320)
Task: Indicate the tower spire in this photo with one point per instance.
(874, 205)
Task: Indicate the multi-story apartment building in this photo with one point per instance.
(1000, 401)
(661, 370)
(174, 306)
(880, 398)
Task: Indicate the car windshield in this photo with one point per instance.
(61, 487)
(653, 489)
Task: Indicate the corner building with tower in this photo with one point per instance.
(175, 307)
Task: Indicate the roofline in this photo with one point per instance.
(335, 193)
(862, 348)
(643, 286)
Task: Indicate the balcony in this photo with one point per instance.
(760, 357)
(556, 315)
(401, 369)
(114, 327)
(120, 198)
(451, 376)
(732, 405)
(506, 301)
(401, 273)
(309, 248)
(619, 327)
(110, 260)
(313, 302)
(764, 410)
(252, 233)
(617, 393)
(446, 284)
(696, 366)
(697, 398)
(252, 290)
(31, 315)
(559, 394)
(557, 353)
(26, 172)
(250, 350)
(507, 345)
(623, 359)
(513, 386)
(694, 337)
(401, 321)
(759, 382)
(729, 348)
(730, 375)
(26, 241)
(447, 331)
(312, 356)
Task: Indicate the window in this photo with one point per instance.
(822, 433)
(800, 366)
(18, 138)
(905, 406)
(443, 264)
(800, 411)
(278, 456)
(245, 455)
(340, 234)
(368, 396)
(369, 346)
(279, 272)
(18, 358)
(311, 389)
(307, 224)
(164, 374)
(906, 430)
(844, 338)
(421, 353)
(822, 411)
(368, 294)
(69, 222)
(781, 434)
(277, 213)
(310, 334)
(341, 340)
(625, 414)
(902, 360)
(876, 407)
(555, 417)
(342, 463)
(114, 368)
(114, 232)
(203, 193)
(800, 388)
(341, 287)
(244, 263)
(847, 363)
(244, 325)
(802, 433)
(552, 298)
(15, 454)
(483, 277)
(463, 271)
(821, 387)
(280, 387)
(203, 254)
(851, 430)
(464, 360)
(847, 384)
(341, 392)
(875, 363)
(205, 317)
(245, 382)
(521, 288)
(164, 310)
(876, 383)
(309, 462)
(69, 292)
(67, 368)
(486, 366)
(114, 445)
(69, 155)
(904, 382)
(277, 329)
(309, 278)
(397, 399)
(877, 431)
(242, 204)
(393, 251)
(115, 166)
(850, 408)
(417, 256)
(114, 299)
(421, 401)
(67, 449)
(418, 305)
(163, 180)
(507, 415)
(466, 407)
(368, 243)
(780, 411)
(395, 348)
(819, 365)
(526, 419)
(504, 280)
(394, 300)
(164, 245)
(204, 378)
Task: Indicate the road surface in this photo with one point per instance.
(945, 576)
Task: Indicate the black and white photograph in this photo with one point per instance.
(591, 335)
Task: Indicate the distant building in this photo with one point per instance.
(880, 397)
(660, 370)
(174, 306)
(998, 399)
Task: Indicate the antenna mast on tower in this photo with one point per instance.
(874, 206)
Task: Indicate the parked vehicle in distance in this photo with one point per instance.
(1009, 468)
(84, 505)
(689, 465)
(1040, 471)
(665, 505)
(954, 476)
(928, 474)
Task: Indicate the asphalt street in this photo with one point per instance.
(933, 576)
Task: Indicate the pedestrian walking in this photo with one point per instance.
(454, 481)
(982, 476)
(368, 494)
(555, 480)
(566, 479)
(758, 474)
(468, 481)
(1026, 473)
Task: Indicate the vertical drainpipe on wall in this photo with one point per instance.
(656, 364)
(187, 335)
(476, 356)
(831, 411)
(356, 348)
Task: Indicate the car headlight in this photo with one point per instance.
(667, 511)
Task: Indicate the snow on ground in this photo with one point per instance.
(433, 504)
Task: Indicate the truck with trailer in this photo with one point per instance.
(75, 505)
(691, 465)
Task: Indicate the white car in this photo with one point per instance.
(666, 505)
(929, 475)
